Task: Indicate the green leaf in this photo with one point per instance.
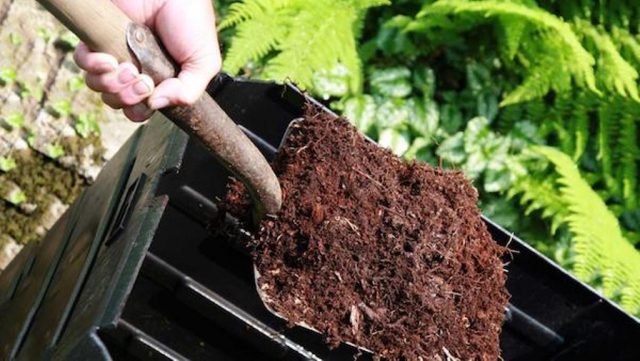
(15, 39)
(61, 108)
(392, 40)
(86, 124)
(333, 83)
(15, 120)
(75, 84)
(44, 33)
(424, 79)
(54, 151)
(497, 180)
(67, 41)
(476, 163)
(452, 149)
(7, 164)
(424, 116)
(8, 75)
(392, 112)
(476, 133)
(391, 82)
(511, 30)
(16, 197)
(395, 140)
(361, 111)
(34, 91)
(421, 150)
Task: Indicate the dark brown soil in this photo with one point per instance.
(384, 254)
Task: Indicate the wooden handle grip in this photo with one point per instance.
(104, 28)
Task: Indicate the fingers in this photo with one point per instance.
(118, 95)
(138, 113)
(96, 63)
(193, 44)
(114, 81)
(188, 86)
(122, 86)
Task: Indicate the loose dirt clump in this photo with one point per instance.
(388, 255)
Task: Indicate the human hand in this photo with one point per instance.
(187, 30)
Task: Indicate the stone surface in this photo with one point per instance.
(43, 105)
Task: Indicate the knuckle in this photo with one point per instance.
(127, 98)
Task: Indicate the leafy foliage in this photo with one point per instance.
(86, 124)
(546, 48)
(601, 250)
(7, 164)
(299, 37)
(498, 88)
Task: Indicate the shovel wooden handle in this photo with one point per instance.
(104, 27)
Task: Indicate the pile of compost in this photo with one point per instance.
(369, 249)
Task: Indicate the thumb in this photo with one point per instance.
(186, 88)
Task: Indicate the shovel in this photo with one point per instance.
(105, 28)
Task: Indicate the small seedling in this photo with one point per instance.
(55, 151)
(7, 75)
(86, 124)
(15, 39)
(16, 197)
(31, 137)
(34, 91)
(44, 33)
(67, 41)
(61, 108)
(75, 84)
(7, 164)
(15, 120)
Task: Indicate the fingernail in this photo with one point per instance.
(107, 66)
(141, 111)
(125, 76)
(142, 86)
(158, 103)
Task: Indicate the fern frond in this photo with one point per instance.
(613, 71)
(629, 44)
(629, 157)
(600, 248)
(249, 9)
(319, 45)
(579, 119)
(254, 39)
(608, 115)
(297, 38)
(511, 30)
(564, 58)
(539, 195)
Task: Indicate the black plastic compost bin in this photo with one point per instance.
(130, 272)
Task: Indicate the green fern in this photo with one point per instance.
(629, 158)
(608, 115)
(546, 47)
(296, 39)
(614, 73)
(600, 248)
(538, 194)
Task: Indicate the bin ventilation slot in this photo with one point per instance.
(194, 204)
(138, 344)
(121, 217)
(216, 308)
(532, 329)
